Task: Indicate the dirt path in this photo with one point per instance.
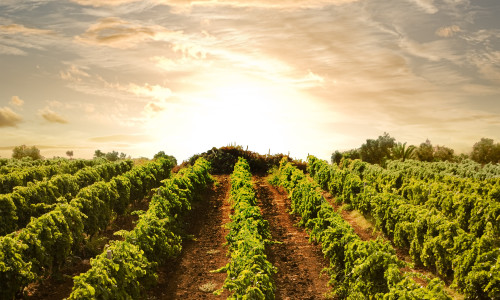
(188, 276)
(299, 263)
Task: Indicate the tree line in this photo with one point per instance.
(385, 147)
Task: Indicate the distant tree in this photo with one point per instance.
(461, 157)
(112, 156)
(443, 153)
(400, 151)
(486, 151)
(377, 151)
(162, 154)
(349, 154)
(69, 153)
(425, 152)
(99, 154)
(336, 157)
(24, 151)
(123, 155)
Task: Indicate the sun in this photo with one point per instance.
(263, 115)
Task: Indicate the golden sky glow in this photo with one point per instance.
(301, 76)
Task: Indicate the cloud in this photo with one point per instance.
(100, 3)
(51, 116)
(483, 56)
(15, 100)
(73, 73)
(245, 3)
(426, 5)
(8, 118)
(117, 33)
(433, 51)
(21, 29)
(153, 108)
(152, 91)
(448, 31)
(11, 50)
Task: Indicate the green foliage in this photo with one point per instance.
(358, 269)
(425, 151)
(40, 197)
(120, 272)
(43, 246)
(24, 151)
(486, 151)
(400, 151)
(377, 151)
(162, 154)
(337, 156)
(126, 269)
(14, 271)
(447, 223)
(223, 160)
(249, 273)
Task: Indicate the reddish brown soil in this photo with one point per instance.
(189, 274)
(298, 262)
(366, 234)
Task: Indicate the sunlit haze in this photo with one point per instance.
(277, 76)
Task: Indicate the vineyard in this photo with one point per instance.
(234, 224)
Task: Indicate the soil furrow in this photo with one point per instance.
(299, 263)
(188, 276)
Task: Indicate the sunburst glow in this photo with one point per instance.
(300, 76)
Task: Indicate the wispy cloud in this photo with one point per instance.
(426, 5)
(21, 29)
(118, 33)
(73, 73)
(432, 51)
(448, 31)
(100, 3)
(16, 39)
(51, 116)
(9, 118)
(246, 3)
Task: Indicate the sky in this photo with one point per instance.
(288, 76)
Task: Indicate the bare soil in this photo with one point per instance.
(189, 276)
(299, 263)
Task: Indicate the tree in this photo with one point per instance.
(112, 156)
(349, 154)
(162, 154)
(443, 153)
(400, 151)
(486, 151)
(425, 151)
(377, 151)
(69, 153)
(99, 154)
(24, 151)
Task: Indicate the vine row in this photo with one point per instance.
(249, 273)
(42, 247)
(431, 239)
(125, 269)
(358, 269)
